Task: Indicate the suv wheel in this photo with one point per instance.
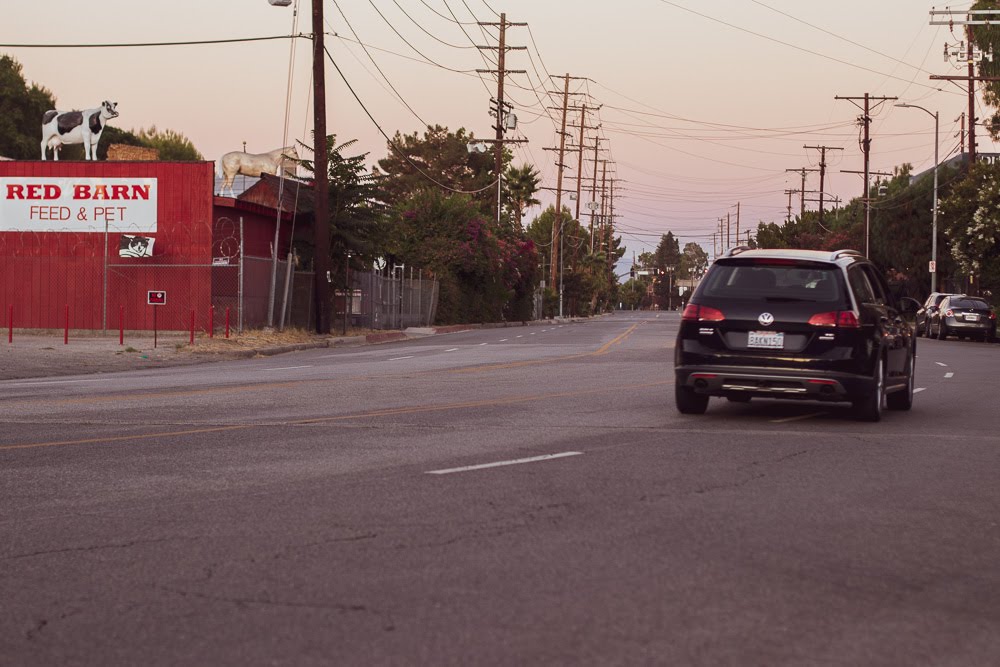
(869, 408)
(903, 400)
(689, 402)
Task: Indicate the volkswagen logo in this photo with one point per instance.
(766, 319)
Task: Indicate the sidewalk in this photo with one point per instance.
(43, 354)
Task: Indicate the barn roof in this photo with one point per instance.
(296, 195)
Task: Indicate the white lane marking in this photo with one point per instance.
(519, 336)
(27, 384)
(496, 464)
(532, 333)
(940, 364)
(795, 419)
(919, 389)
(454, 349)
(285, 368)
(949, 374)
(503, 340)
(398, 358)
(481, 344)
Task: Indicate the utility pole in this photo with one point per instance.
(611, 232)
(866, 147)
(737, 222)
(969, 53)
(592, 204)
(604, 199)
(822, 173)
(961, 134)
(728, 244)
(579, 148)
(557, 231)
(802, 171)
(321, 221)
(788, 218)
(503, 108)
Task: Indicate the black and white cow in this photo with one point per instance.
(76, 127)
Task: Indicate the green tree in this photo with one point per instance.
(443, 156)
(970, 217)
(172, 145)
(522, 184)
(482, 276)
(21, 110)
(693, 261)
(357, 212)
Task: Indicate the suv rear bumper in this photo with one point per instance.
(773, 383)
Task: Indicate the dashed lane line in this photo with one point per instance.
(919, 389)
(949, 374)
(497, 464)
(398, 358)
(284, 368)
(454, 349)
(940, 364)
(44, 382)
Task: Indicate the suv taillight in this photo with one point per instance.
(993, 315)
(949, 313)
(835, 318)
(695, 313)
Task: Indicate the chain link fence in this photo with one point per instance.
(76, 281)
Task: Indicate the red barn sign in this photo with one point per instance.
(77, 204)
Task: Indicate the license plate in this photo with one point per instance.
(971, 318)
(769, 340)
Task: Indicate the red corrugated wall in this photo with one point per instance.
(43, 272)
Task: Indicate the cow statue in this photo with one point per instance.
(255, 164)
(76, 127)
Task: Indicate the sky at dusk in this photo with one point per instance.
(703, 105)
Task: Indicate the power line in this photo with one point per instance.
(392, 145)
(128, 45)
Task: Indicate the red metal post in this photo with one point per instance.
(10, 325)
(121, 325)
(192, 326)
(66, 333)
(227, 323)
(211, 321)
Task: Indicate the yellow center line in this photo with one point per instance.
(108, 398)
(388, 412)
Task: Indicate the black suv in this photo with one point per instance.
(801, 324)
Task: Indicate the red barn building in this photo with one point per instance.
(65, 245)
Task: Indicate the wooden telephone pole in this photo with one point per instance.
(866, 148)
(822, 173)
(502, 107)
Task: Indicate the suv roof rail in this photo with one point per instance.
(737, 250)
(846, 252)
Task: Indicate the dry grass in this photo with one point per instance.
(261, 338)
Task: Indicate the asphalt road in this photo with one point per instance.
(504, 496)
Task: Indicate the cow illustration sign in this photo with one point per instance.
(39, 204)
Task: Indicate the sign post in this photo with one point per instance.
(155, 298)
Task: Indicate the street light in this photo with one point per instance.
(935, 211)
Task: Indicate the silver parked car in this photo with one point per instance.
(965, 317)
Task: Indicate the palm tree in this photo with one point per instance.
(522, 184)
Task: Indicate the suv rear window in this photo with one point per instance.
(968, 303)
(791, 281)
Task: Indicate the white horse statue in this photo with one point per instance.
(255, 164)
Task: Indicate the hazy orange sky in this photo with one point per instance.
(704, 104)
